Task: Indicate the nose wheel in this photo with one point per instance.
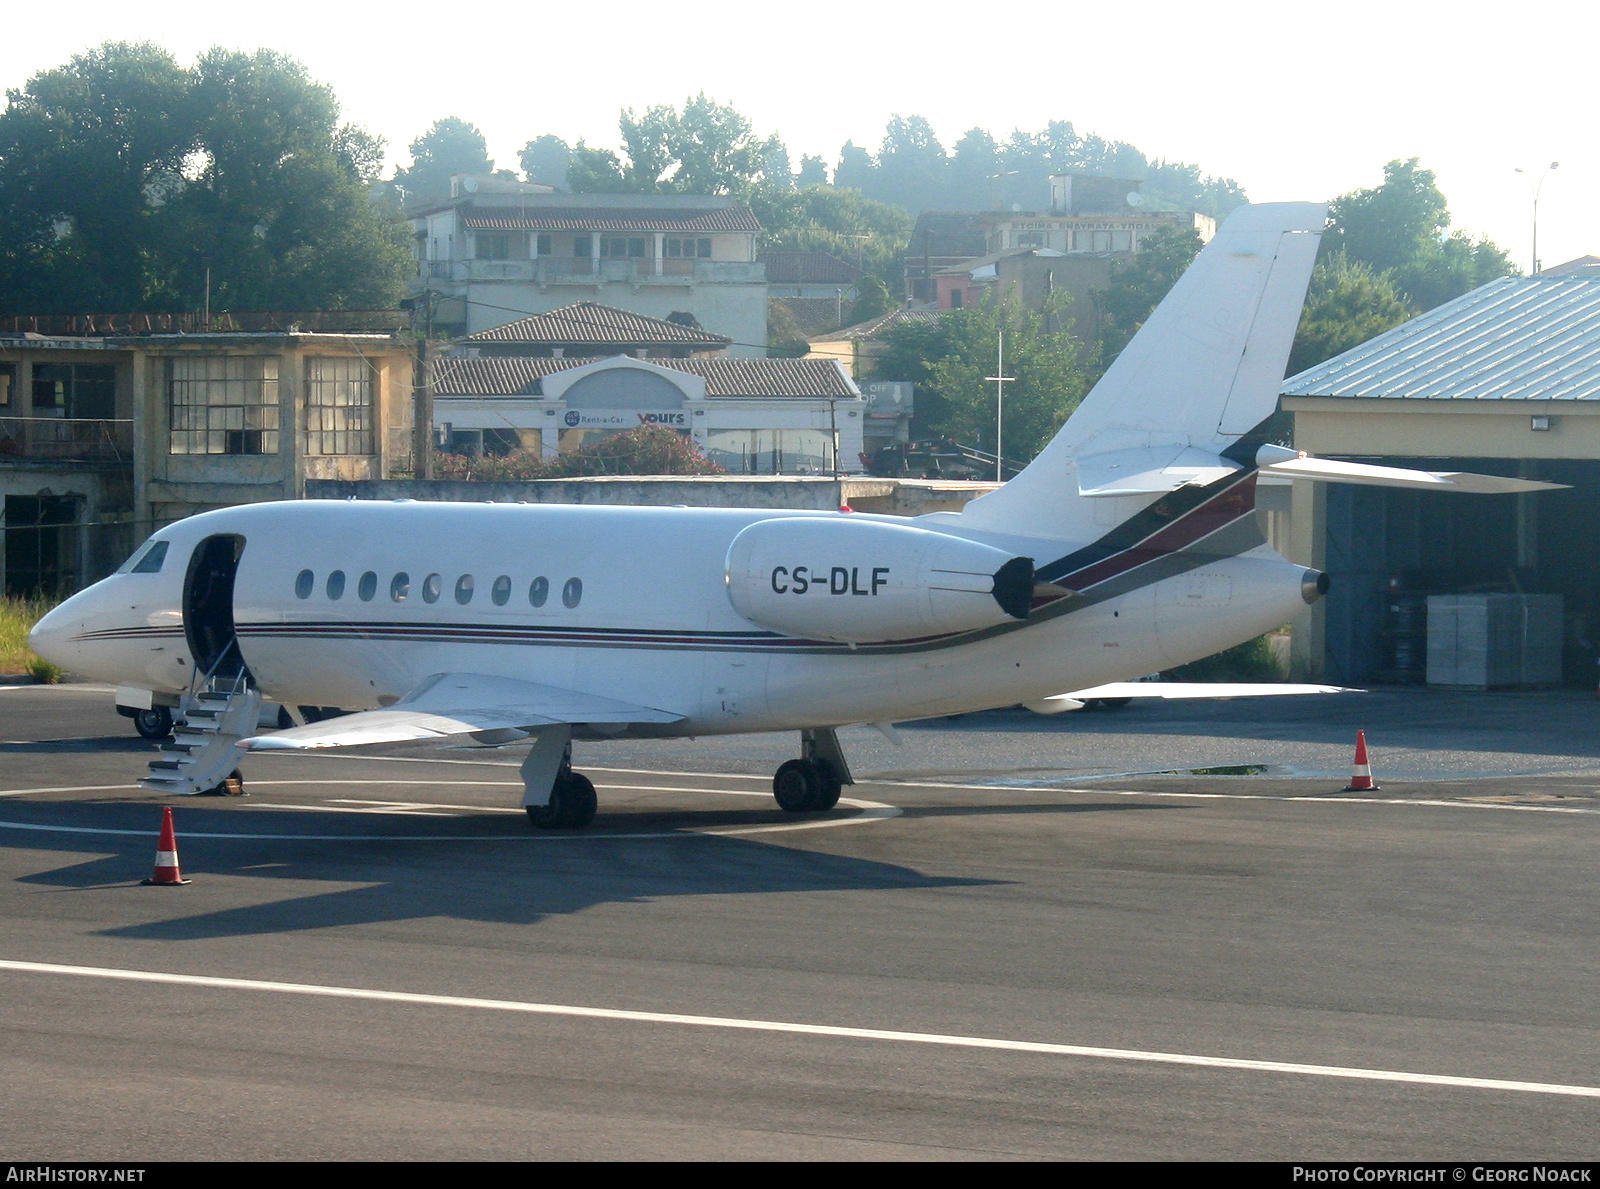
(812, 783)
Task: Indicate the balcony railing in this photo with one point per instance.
(556, 270)
(66, 439)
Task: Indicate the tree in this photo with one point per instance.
(450, 147)
(1348, 303)
(546, 159)
(90, 153)
(1403, 226)
(840, 222)
(1138, 285)
(911, 167)
(707, 148)
(855, 168)
(950, 359)
(123, 177)
(813, 171)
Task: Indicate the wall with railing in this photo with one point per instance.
(66, 439)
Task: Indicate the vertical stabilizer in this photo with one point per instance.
(1202, 371)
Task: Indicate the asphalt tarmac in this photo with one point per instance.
(1017, 937)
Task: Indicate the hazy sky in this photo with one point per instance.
(1294, 101)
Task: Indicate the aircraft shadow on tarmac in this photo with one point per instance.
(1418, 719)
(500, 874)
(110, 743)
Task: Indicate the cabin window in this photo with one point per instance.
(339, 406)
(431, 586)
(224, 404)
(538, 591)
(464, 589)
(367, 587)
(150, 563)
(336, 584)
(303, 583)
(501, 591)
(572, 592)
(400, 587)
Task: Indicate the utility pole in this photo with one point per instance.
(1000, 381)
(833, 426)
(422, 389)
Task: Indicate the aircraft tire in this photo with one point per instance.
(829, 786)
(154, 723)
(572, 804)
(796, 785)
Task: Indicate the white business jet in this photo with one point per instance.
(1130, 544)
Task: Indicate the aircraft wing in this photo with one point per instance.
(1179, 689)
(495, 709)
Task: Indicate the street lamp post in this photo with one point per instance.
(1534, 190)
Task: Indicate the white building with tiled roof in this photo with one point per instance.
(752, 416)
(498, 251)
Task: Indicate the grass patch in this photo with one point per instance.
(17, 617)
(1251, 661)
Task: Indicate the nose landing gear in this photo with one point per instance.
(812, 783)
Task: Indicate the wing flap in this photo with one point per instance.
(463, 704)
(1180, 689)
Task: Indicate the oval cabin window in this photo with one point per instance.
(431, 586)
(303, 583)
(501, 591)
(572, 592)
(367, 587)
(538, 591)
(400, 587)
(336, 584)
(464, 589)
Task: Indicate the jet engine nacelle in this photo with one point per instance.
(861, 581)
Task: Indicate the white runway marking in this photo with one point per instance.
(830, 1030)
(870, 811)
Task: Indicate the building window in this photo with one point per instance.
(616, 247)
(692, 248)
(583, 246)
(1032, 239)
(492, 246)
(339, 407)
(8, 381)
(224, 404)
(543, 245)
(78, 390)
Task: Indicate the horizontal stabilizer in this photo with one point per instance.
(1149, 471)
(1179, 689)
(1367, 475)
(499, 708)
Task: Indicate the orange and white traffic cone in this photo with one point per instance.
(166, 874)
(1361, 776)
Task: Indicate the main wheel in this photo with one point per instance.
(796, 785)
(154, 723)
(572, 804)
(829, 786)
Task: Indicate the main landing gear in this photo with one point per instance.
(570, 803)
(812, 783)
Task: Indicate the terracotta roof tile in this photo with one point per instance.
(521, 375)
(591, 322)
(577, 218)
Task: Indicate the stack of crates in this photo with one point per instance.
(1494, 641)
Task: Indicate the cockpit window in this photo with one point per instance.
(150, 562)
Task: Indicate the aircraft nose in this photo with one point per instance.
(49, 637)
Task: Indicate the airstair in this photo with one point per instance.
(217, 712)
